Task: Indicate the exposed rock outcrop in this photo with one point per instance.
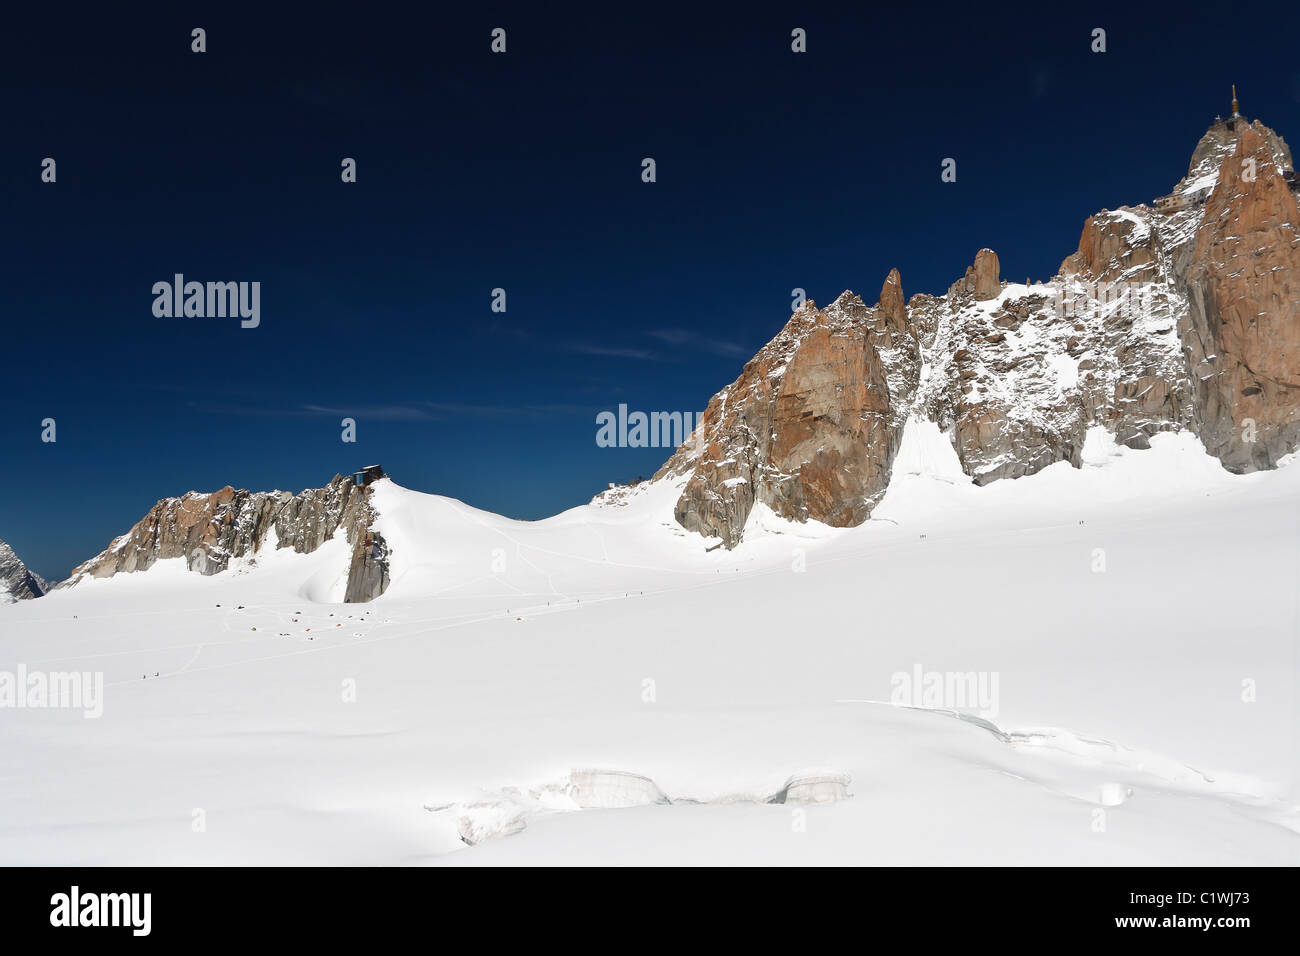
(17, 581)
(1242, 328)
(806, 429)
(368, 570)
(987, 275)
(1184, 314)
(209, 530)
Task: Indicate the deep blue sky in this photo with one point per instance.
(522, 171)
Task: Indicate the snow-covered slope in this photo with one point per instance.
(603, 688)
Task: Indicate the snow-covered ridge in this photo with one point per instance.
(213, 532)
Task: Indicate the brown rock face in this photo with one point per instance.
(806, 428)
(830, 434)
(982, 281)
(1111, 249)
(988, 275)
(893, 308)
(1243, 324)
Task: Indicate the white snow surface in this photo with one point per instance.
(598, 687)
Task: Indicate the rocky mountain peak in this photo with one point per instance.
(892, 306)
(987, 273)
(1243, 284)
(17, 581)
(983, 279)
(1220, 141)
(1181, 314)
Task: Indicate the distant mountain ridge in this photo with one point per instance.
(17, 581)
(209, 530)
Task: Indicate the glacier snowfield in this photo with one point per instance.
(600, 688)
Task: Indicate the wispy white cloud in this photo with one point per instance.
(675, 342)
(684, 338)
(610, 351)
(392, 412)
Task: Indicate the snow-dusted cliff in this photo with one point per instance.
(1180, 315)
